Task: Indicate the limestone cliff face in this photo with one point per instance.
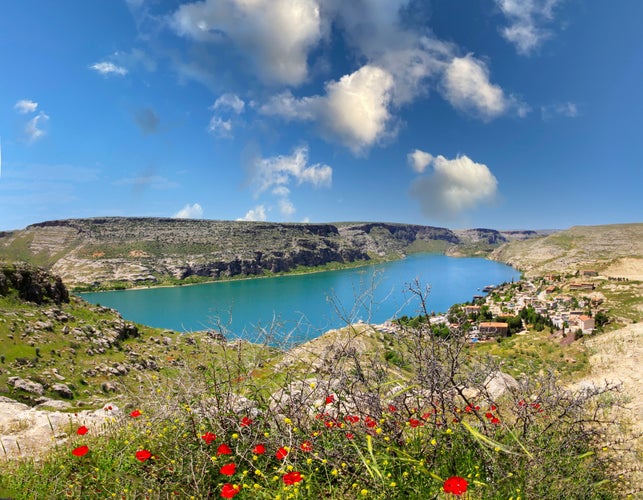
(148, 250)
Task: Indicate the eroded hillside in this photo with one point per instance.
(115, 251)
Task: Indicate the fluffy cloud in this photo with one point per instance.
(454, 186)
(229, 102)
(467, 87)
(526, 18)
(194, 211)
(277, 172)
(108, 68)
(419, 160)
(34, 129)
(220, 127)
(228, 105)
(25, 106)
(354, 110)
(255, 214)
(276, 35)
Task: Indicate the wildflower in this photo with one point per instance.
(230, 490)
(495, 420)
(259, 449)
(456, 485)
(493, 408)
(135, 413)
(306, 446)
(352, 419)
(329, 423)
(80, 451)
(281, 453)
(108, 408)
(350, 435)
(468, 409)
(392, 408)
(488, 415)
(82, 430)
(224, 449)
(143, 455)
(291, 478)
(245, 422)
(330, 399)
(208, 437)
(364, 492)
(414, 422)
(228, 469)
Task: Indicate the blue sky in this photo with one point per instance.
(458, 113)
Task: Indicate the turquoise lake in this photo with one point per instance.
(300, 307)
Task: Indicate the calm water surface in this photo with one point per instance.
(302, 307)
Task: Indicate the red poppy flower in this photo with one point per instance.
(291, 478)
(488, 415)
(414, 422)
(82, 430)
(352, 419)
(259, 449)
(143, 455)
(228, 469)
(108, 408)
(135, 413)
(329, 423)
(350, 435)
(306, 446)
(281, 453)
(230, 490)
(495, 420)
(370, 422)
(493, 408)
(224, 449)
(468, 409)
(208, 437)
(80, 451)
(330, 399)
(392, 408)
(245, 422)
(456, 485)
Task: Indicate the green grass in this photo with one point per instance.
(538, 442)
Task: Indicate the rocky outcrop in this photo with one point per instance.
(32, 284)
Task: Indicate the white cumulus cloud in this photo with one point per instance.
(194, 211)
(467, 87)
(25, 106)
(419, 160)
(276, 35)
(354, 111)
(527, 19)
(108, 68)
(255, 214)
(454, 186)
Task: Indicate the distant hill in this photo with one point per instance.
(614, 250)
(120, 251)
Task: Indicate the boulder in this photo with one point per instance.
(26, 385)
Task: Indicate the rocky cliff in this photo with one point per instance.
(118, 250)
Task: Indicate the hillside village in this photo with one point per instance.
(567, 305)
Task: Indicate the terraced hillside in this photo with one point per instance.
(115, 251)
